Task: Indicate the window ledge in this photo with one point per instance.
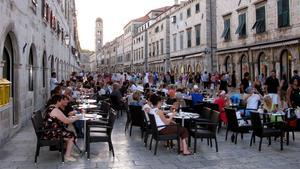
(243, 37)
(284, 28)
(261, 34)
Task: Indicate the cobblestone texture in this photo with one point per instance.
(131, 153)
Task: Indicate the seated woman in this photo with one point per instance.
(55, 119)
(252, 100)
(222, 102)
(161, 120)
(136, 99)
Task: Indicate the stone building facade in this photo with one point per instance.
(33, 36)
(118, 67)
(153, 42)
(193, 37)
(258, 36)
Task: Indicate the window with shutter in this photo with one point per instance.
(226, 32)
(189, 37)
(260, 24)
(197, 32)
(241, 30)
(283, 13)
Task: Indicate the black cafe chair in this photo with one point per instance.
(100, 133)
(160, 137)
(260, 131)
(233, 125)
(36, 120)
(137, 116)
(209, 132)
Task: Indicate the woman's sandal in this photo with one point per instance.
(187, 154)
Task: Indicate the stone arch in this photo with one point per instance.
(198, 68)
(57, 69)
(189, 69)
(52, 63)
(285, 61)
(32, 65)
(44, 68)
(228, 64)
(9, 49)
(61, 69)
(244, 65)
(263, 64)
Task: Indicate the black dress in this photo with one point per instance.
(223, 85)
(295, 98)
(54, 123)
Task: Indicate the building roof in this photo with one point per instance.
(146, 17)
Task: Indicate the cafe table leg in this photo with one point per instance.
(182, 122)
(84, 136)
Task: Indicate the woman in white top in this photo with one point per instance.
(252, 100)
(161, 120)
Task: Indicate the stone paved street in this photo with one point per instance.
(130, 153)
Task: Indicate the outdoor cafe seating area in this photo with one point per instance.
(202, 120)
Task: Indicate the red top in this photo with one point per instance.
(220, 101)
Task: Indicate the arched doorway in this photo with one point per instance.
(57, 70)
(9, 58)
(30, 69)
(62, 71)
(244, 65)
(286, 64)
(52, 64)
(44, 69)
(190, 69)
(182, 69)
(263, 67)
(228, 64)
(198, 68)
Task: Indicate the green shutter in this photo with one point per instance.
(260, 20)
(279, 8)
(241, 30)
(285, 13)
(226, 32)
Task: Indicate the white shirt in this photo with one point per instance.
(145, 107)
(252, 101)
(102, 92)
(53, 83)
(133, 87)
(158, 120)
(165, 91)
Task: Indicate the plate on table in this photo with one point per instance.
(90, 115)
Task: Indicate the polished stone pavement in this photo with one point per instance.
(130, 153)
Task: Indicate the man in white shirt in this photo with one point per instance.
(53, 81)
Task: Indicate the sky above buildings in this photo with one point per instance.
(115, 14)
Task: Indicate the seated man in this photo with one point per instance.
(196, 96)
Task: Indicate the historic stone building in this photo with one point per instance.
(37, 37)
(159, 41)
(258, 36)
(193, 36)
(118, 67)
(180, 38)
(88, 60)
(129, 31)
(142, 44)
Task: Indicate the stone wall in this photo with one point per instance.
(30, 33)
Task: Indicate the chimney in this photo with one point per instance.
(176, 2)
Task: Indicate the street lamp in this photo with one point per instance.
(67, 41)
